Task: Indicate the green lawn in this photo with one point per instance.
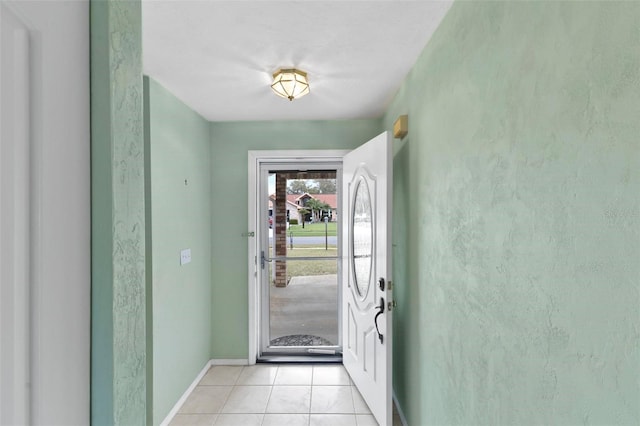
(297, 268)
(314, 229)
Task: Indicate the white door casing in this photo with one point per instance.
(49, 204)
(367, 183)
(14, 220)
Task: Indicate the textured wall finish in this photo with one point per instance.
(517, 218)
(179, 150)
(118, 228)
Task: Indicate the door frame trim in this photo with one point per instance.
(255, 160)
(16, 222)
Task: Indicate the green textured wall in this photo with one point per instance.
(180, 149)
(517, 217)
(230, 145)
(118, 351)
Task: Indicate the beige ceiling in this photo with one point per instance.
(218, 56)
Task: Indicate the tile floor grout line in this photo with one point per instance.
(352, 413)
(353, 402)
(313, 378)
(273, 384)
(238, 377)
(226, 399)
(313, 372)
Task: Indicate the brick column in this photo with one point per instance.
(280, 229)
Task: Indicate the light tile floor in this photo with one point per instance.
(276, 395)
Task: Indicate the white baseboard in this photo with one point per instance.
(232, 361)
(403, 419)
(185, 395)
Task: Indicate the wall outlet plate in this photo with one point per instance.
(185, 256)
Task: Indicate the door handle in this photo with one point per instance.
(263, 259)
(375, 319)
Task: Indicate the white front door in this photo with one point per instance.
(367, 183)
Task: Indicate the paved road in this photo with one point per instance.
(308, 241)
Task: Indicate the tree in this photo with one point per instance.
(303, 214)
(316, 207)
(326, 186)
(297, 186)
(311, 186)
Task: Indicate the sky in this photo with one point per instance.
(272, 183)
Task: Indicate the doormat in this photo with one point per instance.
(301, 340)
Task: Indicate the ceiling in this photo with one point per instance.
(218, 57)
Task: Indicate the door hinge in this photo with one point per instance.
(249, 234)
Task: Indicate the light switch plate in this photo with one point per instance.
(185, 256)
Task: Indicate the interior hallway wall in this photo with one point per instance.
(517, 217)
(231, 142)
(118, 267)
(179, 203)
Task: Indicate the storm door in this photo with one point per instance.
(299, 261)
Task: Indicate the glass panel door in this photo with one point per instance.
(300, 263)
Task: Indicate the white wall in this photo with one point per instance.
(60, 262)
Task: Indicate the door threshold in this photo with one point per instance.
(301, 359)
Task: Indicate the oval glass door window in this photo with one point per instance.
(362, 237)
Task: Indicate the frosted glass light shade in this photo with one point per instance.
(290, 83)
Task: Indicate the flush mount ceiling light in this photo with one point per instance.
(290, 83)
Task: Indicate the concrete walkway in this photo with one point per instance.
(308, 305)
